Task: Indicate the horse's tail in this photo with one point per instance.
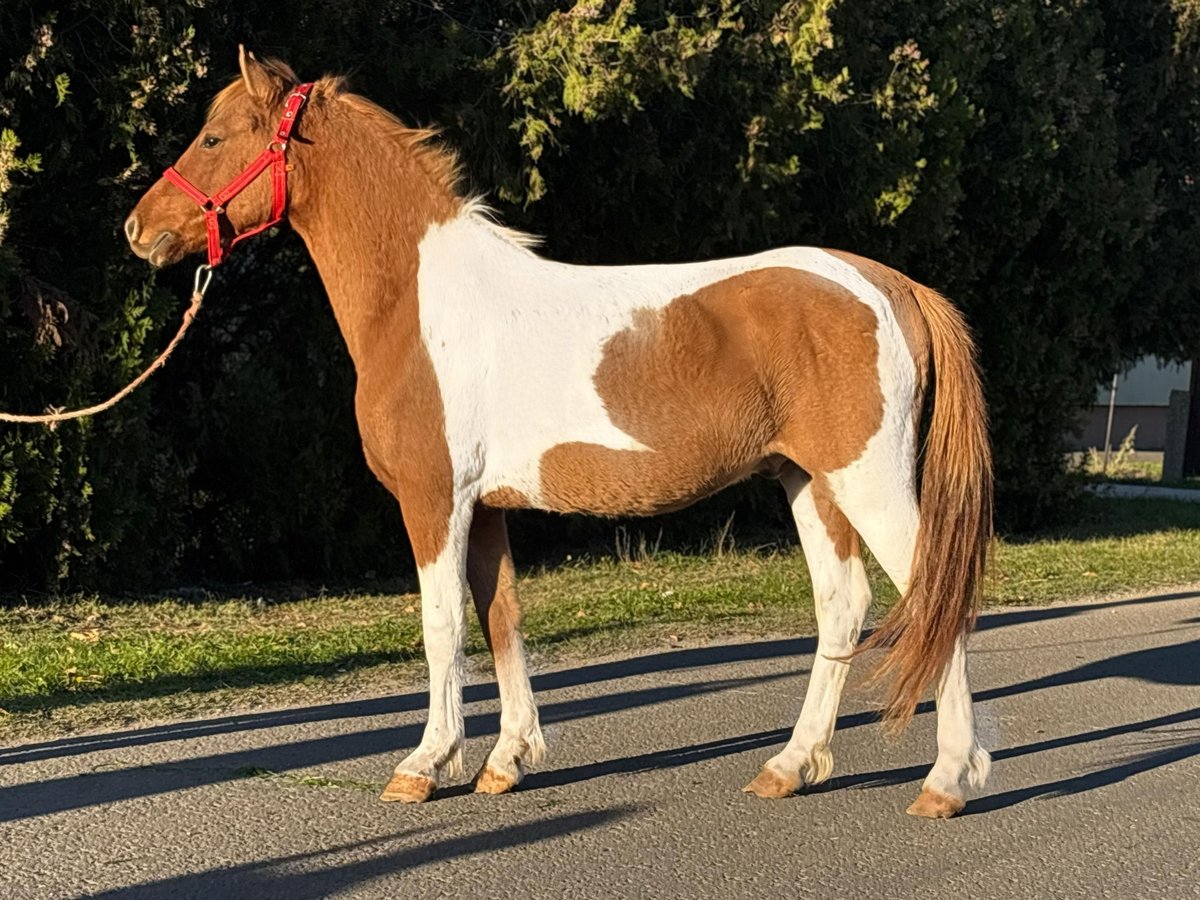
(955, 530)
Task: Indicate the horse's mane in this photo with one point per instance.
(478, 209)
(438, 161)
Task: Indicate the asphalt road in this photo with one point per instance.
(1092, 712)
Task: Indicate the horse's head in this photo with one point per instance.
(167, 224)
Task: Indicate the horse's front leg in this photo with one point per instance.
(443, 581)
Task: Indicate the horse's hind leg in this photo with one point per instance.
(892, 540)
(493, 585)
(959, 754)
(842, 594)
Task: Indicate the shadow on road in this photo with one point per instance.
(110, 785)
(1004, 618)
(648, 664)
(1178, 748)
(656, 760)
(1177, 664)
(652, 663)
(320, 874)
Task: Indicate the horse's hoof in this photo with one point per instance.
(405, 788)
(770, 785)
(933, 804)
(491, 781)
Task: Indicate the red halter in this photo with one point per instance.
(275, 156)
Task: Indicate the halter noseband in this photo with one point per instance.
(274, 157)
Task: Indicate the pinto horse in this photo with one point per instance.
(491, 379)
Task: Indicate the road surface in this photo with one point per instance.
(1092, 712)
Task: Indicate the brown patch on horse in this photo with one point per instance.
(505, 498)
(841, 533)
(770, 785)
(776, 361)
(493, 581)
(402, 423)
(934, 804)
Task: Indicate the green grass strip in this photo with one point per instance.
(61, 658)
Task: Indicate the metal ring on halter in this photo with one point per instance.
(203, 271)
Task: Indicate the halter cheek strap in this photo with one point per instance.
(273, 158)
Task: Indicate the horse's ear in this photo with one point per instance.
(264, 81)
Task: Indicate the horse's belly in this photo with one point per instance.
(588, 478)
(582, 476)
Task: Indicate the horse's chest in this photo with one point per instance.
(402, 421)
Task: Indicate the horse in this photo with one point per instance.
(490, 379)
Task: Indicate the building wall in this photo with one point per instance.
(1151, 422)
(1143, 395)
(1149, 383)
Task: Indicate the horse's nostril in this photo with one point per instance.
(132, 228)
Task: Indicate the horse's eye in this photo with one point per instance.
(210, 141)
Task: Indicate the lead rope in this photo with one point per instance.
(56, 415)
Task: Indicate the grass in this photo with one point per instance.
(90, 662)
(1125, 466)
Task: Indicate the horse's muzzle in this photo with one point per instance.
(160, 251)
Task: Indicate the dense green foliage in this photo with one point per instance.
(1033, 159)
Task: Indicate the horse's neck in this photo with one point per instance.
(362, 209)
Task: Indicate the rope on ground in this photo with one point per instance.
(56, 415)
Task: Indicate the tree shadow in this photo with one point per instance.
(289, 876)
(680, 756)
(1175, 751)
(1003, 618)
(648, 664)
(54, 795)
(655, 760)
(1177, 664)
(1170, 664)
(1105, 517)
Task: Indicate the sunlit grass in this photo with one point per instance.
(87, 661)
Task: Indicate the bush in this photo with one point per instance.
(1034, 161)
